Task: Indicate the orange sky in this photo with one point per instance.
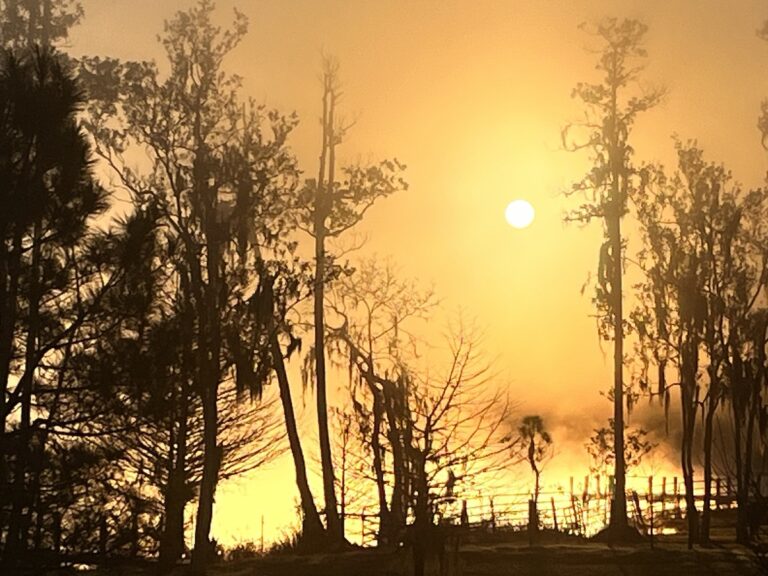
(472, 95)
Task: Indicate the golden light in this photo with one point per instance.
(519, 214)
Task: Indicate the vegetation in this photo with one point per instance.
(330, 208)
(147, 350)
(609, 185)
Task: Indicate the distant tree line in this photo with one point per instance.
(699, 321)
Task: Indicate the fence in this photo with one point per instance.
(583, 509)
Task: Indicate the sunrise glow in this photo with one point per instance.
(343, 287)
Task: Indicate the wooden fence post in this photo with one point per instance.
(576, 518)
(651, 517)
(638, 509)
(718, 492)
(677, 496)
(649, 496)
(554, 513)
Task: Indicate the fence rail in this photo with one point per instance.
(582, 510)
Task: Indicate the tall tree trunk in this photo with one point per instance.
(172, 539)
(40, 461)
(748, 455)
(422, 522)
(326, 456)
(209, 360)
(10, 268)
(203, 551)
(619, 505)
(689, 367)
(172, 543)
(312, 527)
(690, 498)
(385, 527)
(742, 521)
(613, 224)
(324, 190)
(398, 499)
(706, 513)
(711, 405)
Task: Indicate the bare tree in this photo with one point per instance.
(456, 434)
(374, 338)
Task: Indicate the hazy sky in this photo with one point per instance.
(472, 96)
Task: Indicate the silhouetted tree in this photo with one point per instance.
(456, 434)
(46, 270)
(601, 451)
(748, 398)
(611, 111)
(313, 532)
(223, 183)
(705, 267)
(352, 461)
(333, 207)
(372, 334)
(146, 360)
(25, 23)
(538, 447)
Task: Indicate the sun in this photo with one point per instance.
(519, 214)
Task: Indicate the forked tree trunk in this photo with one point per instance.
(203, 551)
(325, 184)
(397, 443)
(209, 357)
(385, 525)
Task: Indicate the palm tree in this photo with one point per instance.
(539, 444)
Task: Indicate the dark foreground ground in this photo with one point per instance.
(574, 559)
(500, 559)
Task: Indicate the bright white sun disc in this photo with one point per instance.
(519, 214)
